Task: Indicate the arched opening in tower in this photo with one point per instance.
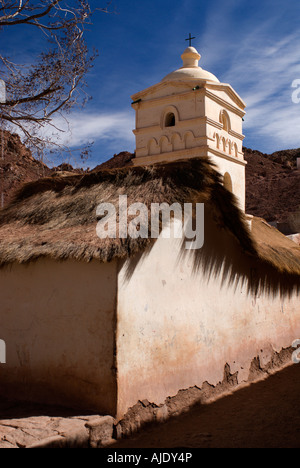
(170, 120)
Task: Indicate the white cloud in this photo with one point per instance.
(261, 66)
(83, 128)
(266, 87)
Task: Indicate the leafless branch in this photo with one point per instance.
(55, 81)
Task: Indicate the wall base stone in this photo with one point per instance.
(145, 413)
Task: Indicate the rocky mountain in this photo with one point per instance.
(17, 166)
(273, 187)
(118, 160)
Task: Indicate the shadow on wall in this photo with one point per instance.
(234, 258)
(222, 256)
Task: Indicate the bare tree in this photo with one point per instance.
(54, 82)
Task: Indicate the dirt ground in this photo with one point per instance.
(264, 414)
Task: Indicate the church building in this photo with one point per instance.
(191, 114)
(103, 323)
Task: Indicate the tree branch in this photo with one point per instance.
(55, 81)
(36, 97)
(4, 21)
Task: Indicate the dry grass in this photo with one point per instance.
(275, 248)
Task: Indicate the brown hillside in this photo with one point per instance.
(123, 159)
(17, 166)
(272, 184)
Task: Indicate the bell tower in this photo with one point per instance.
(188, 114)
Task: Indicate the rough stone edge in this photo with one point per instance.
(145, 413)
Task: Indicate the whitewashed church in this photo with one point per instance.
(100, 324)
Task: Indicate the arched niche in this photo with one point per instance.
(225, 120)
(227, 182)
(176, 142)
(224, 144)
(164, 145)
(153, 147)
(189, 139)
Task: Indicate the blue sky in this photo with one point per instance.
(254, 46)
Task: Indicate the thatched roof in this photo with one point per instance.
(275, 248)
(56, 217)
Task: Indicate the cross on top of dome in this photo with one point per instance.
(190, 38)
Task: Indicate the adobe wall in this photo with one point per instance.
(58, 322)
(181, 321)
